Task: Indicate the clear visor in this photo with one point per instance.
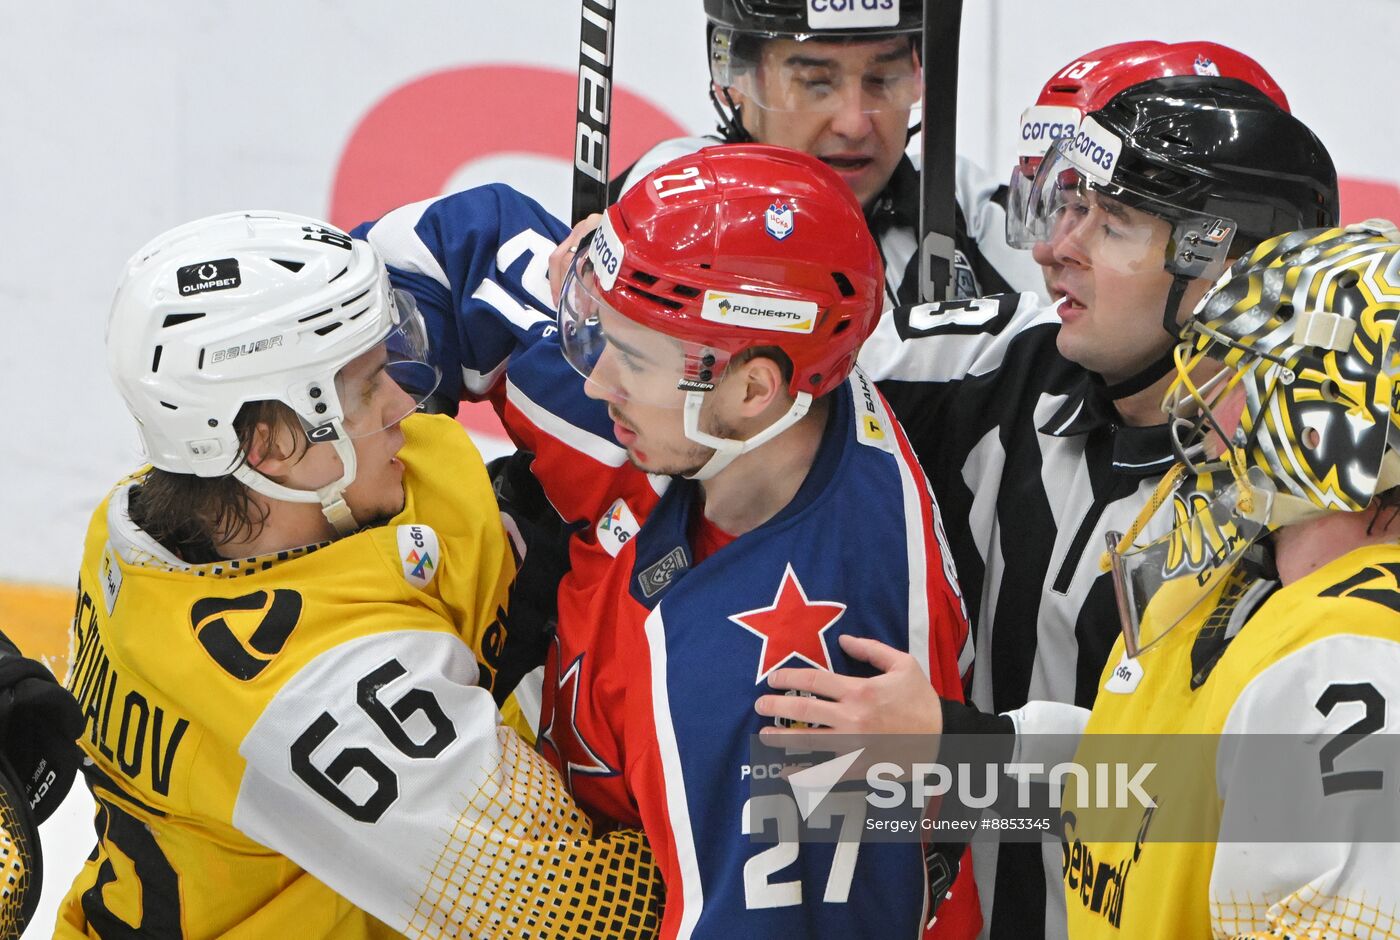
(620, 358)
(1018, 197)
(1160, 580)
(388, 382)
(1132, 234)
(809, 72)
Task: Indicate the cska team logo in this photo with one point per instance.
(778, 221)
(1205, 66)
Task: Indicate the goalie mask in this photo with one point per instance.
(259, 306)
(734, 248)
(1283, 410)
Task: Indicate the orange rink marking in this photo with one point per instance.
(36, 617)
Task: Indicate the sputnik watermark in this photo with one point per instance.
(1105, 786)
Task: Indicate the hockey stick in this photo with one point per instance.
(594, 122)
(937, 207)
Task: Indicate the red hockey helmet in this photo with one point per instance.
(735, 247)
(1091, 81)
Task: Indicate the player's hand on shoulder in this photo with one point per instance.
(898, 701)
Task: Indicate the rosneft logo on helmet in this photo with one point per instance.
(851, 14)
(208, 275)
(1042, 125)
(1094, 151)
(759, 313)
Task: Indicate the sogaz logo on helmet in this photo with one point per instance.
(1094, 151)
(851, 14)
(759, 313)
(1042, 125)
(605, 251)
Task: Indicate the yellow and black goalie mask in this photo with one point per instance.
(1283, 408)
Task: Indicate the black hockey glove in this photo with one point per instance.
(39, 722)
(541, 541)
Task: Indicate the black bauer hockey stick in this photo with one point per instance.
(594, 122)
(937, 208)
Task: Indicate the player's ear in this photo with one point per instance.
(763, 384)
(271, 448)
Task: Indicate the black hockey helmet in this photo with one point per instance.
(1219, 146)
(738, 29)
(1215, 157)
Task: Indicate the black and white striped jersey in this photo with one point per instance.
(984, 263)
(1030, 464)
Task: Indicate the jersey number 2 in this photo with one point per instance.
(1345, 781)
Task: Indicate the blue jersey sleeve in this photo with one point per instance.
(477, 264)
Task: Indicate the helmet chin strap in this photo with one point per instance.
(726, 449)
(731, 125)
(331, 496)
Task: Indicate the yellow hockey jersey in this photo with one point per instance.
(301, 745)
(1266, 835)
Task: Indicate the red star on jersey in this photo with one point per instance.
(562, 734)
(791, 626)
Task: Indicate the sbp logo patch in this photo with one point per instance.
(418, 550)
(616, 528)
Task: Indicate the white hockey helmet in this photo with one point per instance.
(256, 306)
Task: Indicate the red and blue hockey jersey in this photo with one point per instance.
(649, 690)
